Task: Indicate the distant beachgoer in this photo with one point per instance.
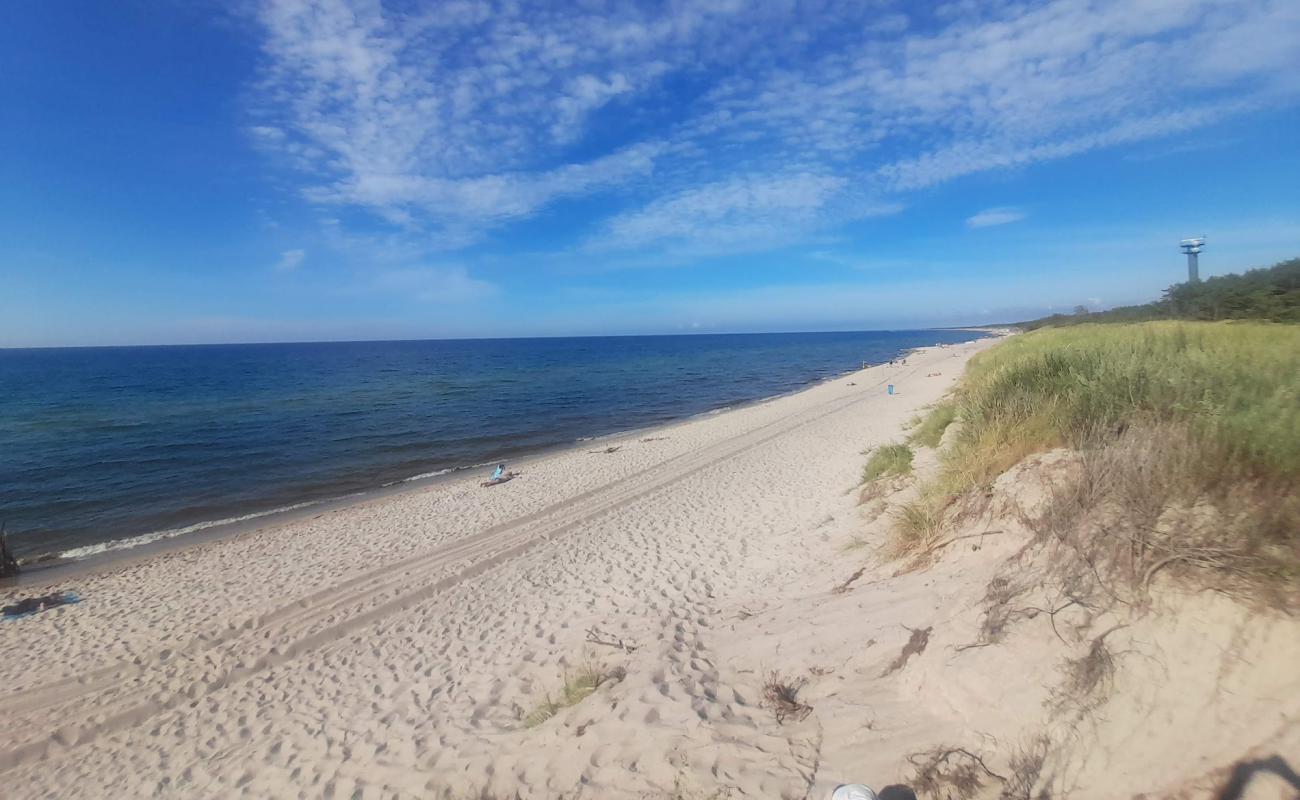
(500, 471)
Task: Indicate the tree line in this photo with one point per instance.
(1269, 293)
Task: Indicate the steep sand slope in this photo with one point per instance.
(1020, 690)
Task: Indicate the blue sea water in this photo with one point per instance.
(101, 445)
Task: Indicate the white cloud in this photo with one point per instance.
(267, 134)
(744, 213)
(458, 115)
(475, 114)
(967, 157)
(451, 284)
(888, 23)
(290, 260)
(995, 216)
(1181, 149)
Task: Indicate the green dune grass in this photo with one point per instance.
(888, 461)
(1167, 416)
(1233, 386)
(929, 430)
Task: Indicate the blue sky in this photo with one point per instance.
(328, 169)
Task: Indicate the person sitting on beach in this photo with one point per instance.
(500, 476)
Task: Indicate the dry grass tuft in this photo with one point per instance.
(782, 696)
(1148, 500)
(1089, 678)
(1026, 768)
(578, 686)
(1092, 671)
(952, 773)
(918, 527)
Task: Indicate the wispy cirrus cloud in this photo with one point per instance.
(290, 260)
(726, 125)
(989, 217)
(734, 215)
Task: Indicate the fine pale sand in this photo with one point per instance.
(402, 646)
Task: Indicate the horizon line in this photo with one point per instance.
(502, 338)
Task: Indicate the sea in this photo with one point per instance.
(110, 447)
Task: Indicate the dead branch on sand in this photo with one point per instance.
(844, 587)
(947, 542)
(597, 636)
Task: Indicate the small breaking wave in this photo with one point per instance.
(171, 533)
(436, 473)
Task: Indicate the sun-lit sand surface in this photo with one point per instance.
(402, 646)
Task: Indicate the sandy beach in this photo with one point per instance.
(402, 646)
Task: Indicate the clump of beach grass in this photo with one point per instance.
(918, 526)
(887, 462)
(578, 686)
(1189, 436)
(929, 429)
